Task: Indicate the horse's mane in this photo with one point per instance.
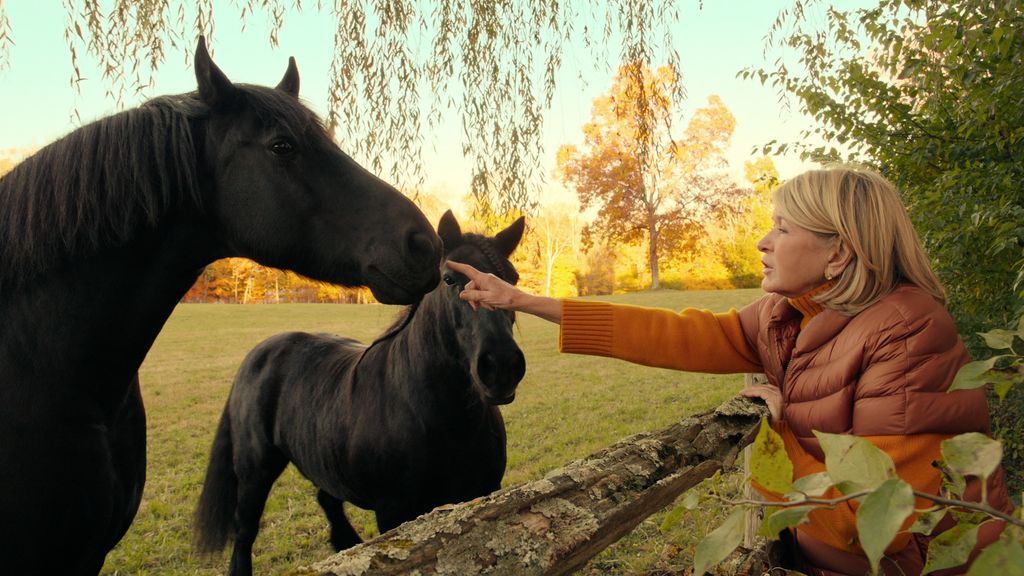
(97, 185)
(103, 183)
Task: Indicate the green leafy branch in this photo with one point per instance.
(833, 502)
(864, 473)
(1002, 371)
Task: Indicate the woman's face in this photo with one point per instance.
(794, 258)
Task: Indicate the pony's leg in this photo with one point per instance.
(343, 535)
(389, 517)
(255, 479)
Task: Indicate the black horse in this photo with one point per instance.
(399, 427)
(101, 234)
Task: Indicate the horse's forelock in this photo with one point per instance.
(276, 108)
(501, 265)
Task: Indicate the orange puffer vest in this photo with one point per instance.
(882, 372)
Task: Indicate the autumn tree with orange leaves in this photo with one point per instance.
(648, 182)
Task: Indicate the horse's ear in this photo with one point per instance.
(449, 231)
(290, 82)
(507, 240)
(214, 87)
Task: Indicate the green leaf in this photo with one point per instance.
(953, 482)
(690, 500)
(1020, 326)
(672, 518)
(928, 520)
(1002, 388)
(781, 518)
(769, 463)
(880, 516)
(717, 545)
(998, 339)
(972, 454)
(1004, 557)
(909, 70)
(811, 486)
(951, 548)
(972, 375)
(854, 463)
(969, 516)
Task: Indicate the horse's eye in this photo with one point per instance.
(282, 147)
(449, 280)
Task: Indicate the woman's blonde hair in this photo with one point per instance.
(863, 210)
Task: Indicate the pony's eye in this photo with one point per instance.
(449, 280)
(282, 147)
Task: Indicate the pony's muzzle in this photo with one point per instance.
(499, 374)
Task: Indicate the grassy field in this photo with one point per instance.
(567, 407)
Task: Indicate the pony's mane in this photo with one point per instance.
(503, 269)
(104, 183)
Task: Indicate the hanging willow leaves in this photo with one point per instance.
(5, 37)
(398, 65)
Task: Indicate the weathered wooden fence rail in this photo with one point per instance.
(556, 524)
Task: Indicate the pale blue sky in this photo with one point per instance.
(714, 43)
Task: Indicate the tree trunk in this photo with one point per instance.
(652, 257)
(556, 524)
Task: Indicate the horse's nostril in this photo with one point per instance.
(422, 248)
(510, 366)
(519, 366)
(486, 363)
(487, 366)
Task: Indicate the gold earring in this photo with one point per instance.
(829, 276)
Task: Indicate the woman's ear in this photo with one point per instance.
(839, 259)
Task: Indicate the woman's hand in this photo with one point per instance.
(485, 290)
(770, 394)
(492, 293)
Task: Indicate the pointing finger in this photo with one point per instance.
(466, 269)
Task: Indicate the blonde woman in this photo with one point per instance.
(853, 335)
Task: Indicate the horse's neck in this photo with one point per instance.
(423, 356)
(100, 314)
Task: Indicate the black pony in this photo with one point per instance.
(101, 234)
(398, 427)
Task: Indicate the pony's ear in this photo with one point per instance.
(507, 240)
(290, 82)
(449, 231)
(214, 87)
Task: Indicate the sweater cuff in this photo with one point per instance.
(586, 328)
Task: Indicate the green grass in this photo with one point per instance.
(568, 406)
